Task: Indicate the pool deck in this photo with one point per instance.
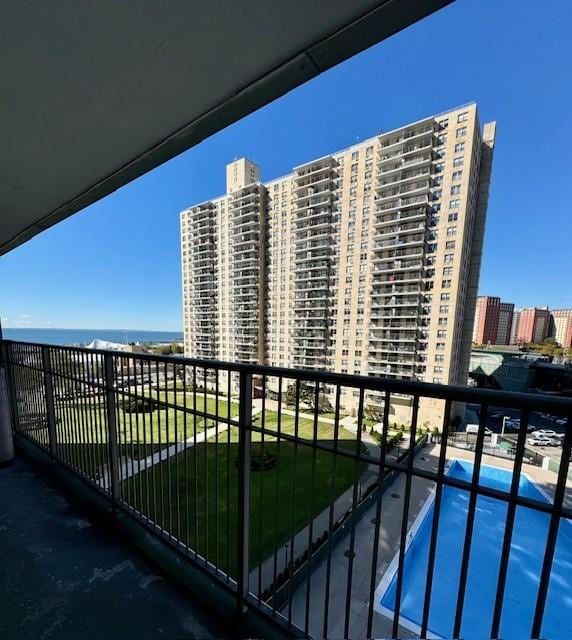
(388, 545)
(62, 576)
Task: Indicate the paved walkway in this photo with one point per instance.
(130, 467)
(263, 577)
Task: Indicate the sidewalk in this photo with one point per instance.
(302, 541)
(130, 467)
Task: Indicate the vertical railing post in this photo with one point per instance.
(49, 393)
(244, 441)
(6, 407)
(11, 383)
(111, 413)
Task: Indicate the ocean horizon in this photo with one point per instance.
(79, 337)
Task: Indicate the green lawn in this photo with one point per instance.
(82, 429)
(194, 495)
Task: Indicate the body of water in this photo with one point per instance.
(85, 336)
(525, 564)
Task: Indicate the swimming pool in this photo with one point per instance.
(524, 567)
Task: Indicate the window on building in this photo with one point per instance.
(441, 333)
(454, 204)
(444, 308)
(457, 175)
(455, 189)
(461, 131)
(447, 271)
(463, 117)
(445, 297)
(458, 162)
(451, 231)
(446, 284)
(450, 244)
(453, 217)
(355, 155)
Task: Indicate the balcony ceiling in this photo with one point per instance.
(94, 94)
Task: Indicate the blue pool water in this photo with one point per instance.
(527, 549)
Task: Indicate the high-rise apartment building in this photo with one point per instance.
(533, 325)
(561, 327)
(514, 327)
(493, 321)
(504, 329)
(486, 319)
(364, 261)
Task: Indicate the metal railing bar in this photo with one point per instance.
(435, 524)
(491, 397)
(311, 508)
(473, 495)
(552, 531)
(405, 519)
(277, 488)
(355, 499)
(290, 564)
(378, 506)
(331, 512)
(509, 525)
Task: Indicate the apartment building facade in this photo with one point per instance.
(561, 327)
(533, 325)
(493, 321)
(365, 261)
(486, 323)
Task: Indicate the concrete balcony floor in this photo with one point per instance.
(62, 576)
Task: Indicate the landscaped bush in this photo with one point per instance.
(138, 405)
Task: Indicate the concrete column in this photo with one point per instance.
(6, 441)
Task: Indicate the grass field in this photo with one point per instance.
(81, 429)
(194, 495)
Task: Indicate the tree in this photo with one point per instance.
(291, 395)
(548, 347)
(371, 412)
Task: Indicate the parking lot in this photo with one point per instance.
(536, 421)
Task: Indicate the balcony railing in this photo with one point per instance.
(260, 476)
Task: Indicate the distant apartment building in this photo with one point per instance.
(365, 261)
(561, 327)
(486, 320)
(533, 325)
(506, 311)
(514, 328)
(493, 321)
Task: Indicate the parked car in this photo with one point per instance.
(561, 421)
(539, 441)
(545, 433)
(556, 442)
(474, 428)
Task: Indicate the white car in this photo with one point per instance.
(539, 441)
(544, 433)
(561, 421)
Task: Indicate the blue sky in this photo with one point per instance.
(117, 263)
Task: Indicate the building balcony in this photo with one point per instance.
(190, 499)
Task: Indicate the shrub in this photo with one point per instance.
(138, 405)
